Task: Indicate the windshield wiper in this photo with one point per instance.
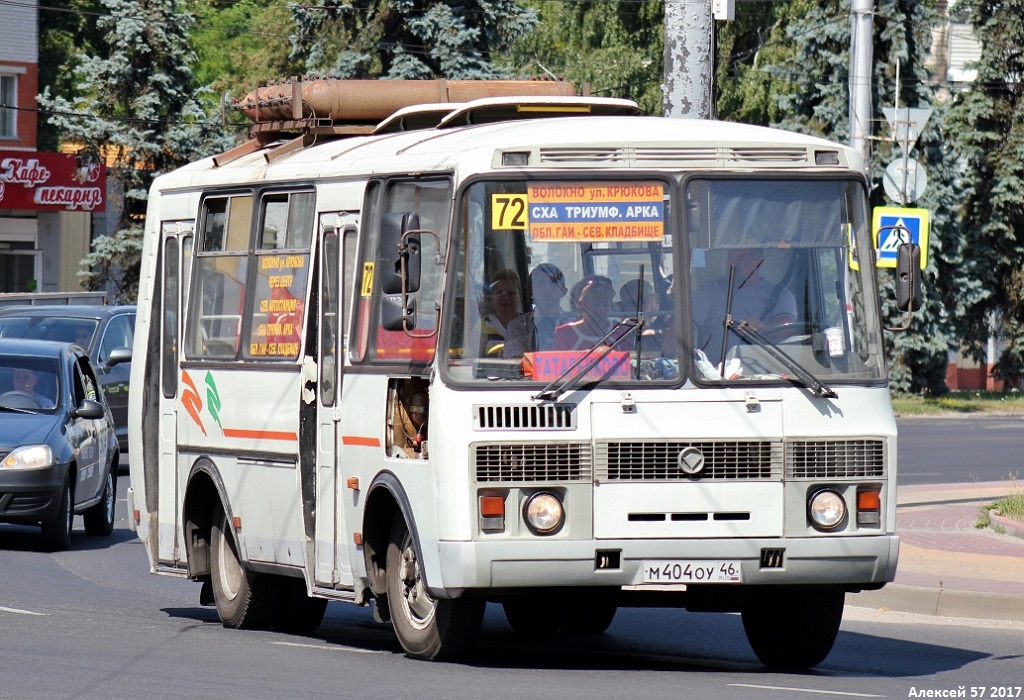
(12, 409)
(747, 332)
(555, 389)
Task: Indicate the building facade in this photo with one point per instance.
(47, 200)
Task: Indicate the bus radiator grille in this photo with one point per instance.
(525, 417)
(532, 462)
(835, 459)
(659, 460)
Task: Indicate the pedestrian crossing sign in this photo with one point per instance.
(895, 225)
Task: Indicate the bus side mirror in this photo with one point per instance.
(394, 316)
(908, 277)
(399, 252)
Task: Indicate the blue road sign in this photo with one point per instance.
(893, 226)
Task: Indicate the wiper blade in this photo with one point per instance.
(747, 332)
(555, 389)
(12, 409)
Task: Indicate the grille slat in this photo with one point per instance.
(525, 417)
(522, 463)
(668, 155)
(659, 460)
(839, 459)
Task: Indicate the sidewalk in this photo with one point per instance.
(948, 567)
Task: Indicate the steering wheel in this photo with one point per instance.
(784, 331)
(20, 398)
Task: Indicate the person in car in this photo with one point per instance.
(26, 381)
(592, 298)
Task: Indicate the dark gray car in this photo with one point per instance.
(104, 332)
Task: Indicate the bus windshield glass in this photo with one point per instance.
(560, 280)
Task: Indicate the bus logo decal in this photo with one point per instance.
(213, 399)
(191, 401)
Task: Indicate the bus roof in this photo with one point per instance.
(574, 142)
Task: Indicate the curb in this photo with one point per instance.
(1005, 525)
(941, 602)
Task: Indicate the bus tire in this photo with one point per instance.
(99, 519)
(57, 532)
(530, 615)
(793, 630)
(244, 599)
(296, 612)
(589, 615)
(427, 628)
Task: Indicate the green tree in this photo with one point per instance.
(137, 106)
(408, 39)
(988, 123)
(801, 64)
(617, 48)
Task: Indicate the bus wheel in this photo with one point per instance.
(244, 599)
(427, 628)
(296, 612)
(589, 615)
(530, 614)
(792, 630)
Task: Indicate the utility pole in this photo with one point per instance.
(861, 25)
(688, 60)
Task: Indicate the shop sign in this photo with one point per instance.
(52, 182)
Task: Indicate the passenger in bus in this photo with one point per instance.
(630, 295)
(756, 301)
(592, 298)
(535, 330)
(504, 295)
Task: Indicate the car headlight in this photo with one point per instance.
(28, 457)
(543, 513)
(826, 509)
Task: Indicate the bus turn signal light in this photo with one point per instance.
(492, 513)
(869, 506)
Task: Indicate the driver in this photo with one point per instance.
(755, 300)
(25, 381)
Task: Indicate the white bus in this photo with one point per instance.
(648, 352)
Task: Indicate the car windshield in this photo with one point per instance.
(64, 329)
(544, 270)
(28, 382)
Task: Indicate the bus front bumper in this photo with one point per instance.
(851, 562)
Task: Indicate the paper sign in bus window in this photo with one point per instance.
(596, 211)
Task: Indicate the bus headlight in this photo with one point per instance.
(826, 509)
(543, 513)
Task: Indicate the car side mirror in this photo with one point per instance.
(908, 277)
(119, 356)
(90, 410)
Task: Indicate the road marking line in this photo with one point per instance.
(329, 648)
(21, 612)
(804, 690)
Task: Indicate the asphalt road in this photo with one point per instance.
(93, 623)
(960, 450)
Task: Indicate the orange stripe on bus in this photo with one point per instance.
(360, 441)
(260, 434)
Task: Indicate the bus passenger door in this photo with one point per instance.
(331, 544)
(176, 257)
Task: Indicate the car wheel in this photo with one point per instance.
(296, 612)
(427, 628)
(57, 533)
(244, 599)
(99, 519)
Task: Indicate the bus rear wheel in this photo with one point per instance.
(791, 629)
(426, 627)
(244, 599)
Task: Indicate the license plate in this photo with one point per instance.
(699, 571)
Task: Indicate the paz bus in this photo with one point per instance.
(431, 345)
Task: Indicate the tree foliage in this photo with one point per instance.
(988, 120)
(408, 39)
(135, 104)
(617, 48)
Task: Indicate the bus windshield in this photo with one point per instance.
(580, 280)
